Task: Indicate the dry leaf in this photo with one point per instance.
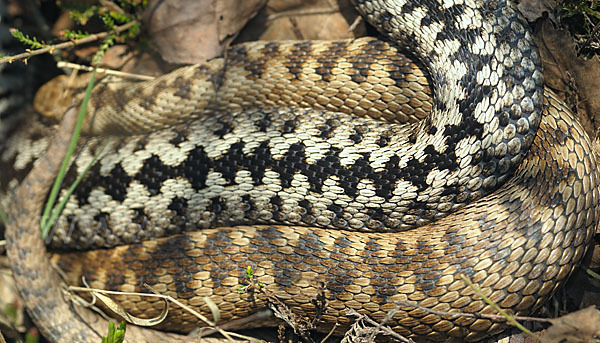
(575, 79)
(534, 9)
(303, 20)
(582, 326)
(118, 309)
(193, 31)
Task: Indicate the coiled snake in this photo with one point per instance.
(498, 183)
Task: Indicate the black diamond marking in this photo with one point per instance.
(383, 17)
(178, 205)
(196, 167)
(183, 86)
(326, 129)
(264, 123)
(153, 173)
(276, 202)
(257, 162)
(257, 67)
(290, 164)
(114, 184)
(297, 57)
(336, 209)
(356, 138)
(228, 164)
(289, 126)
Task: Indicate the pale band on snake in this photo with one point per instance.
(331, 166)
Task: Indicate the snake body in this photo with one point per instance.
(498, 183)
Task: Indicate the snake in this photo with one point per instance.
(320, 185)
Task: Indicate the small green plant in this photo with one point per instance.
(119, 19)
(111, 17)
(32, 42)
(11, 312)
(588, 7)
(583, 19)
(32, 336)
(115, 335)
(251, 282)
(73, 35)
(592, 273)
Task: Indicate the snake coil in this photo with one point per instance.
(498, 183)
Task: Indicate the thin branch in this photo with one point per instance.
(50, 48)
(384, 329)
(105, 71)
(509, 318)
(303, 12)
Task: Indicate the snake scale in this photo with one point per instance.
(499, 182)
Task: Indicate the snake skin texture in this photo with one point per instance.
(498, 182)
(365, 76)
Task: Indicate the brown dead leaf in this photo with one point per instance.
(297, 19)
(582, 326)
(192, 31)
(575, 79)
(534, 9)
(137, 61)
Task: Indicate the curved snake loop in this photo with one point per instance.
(313, 200)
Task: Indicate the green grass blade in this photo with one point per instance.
(44, 222)
(61, 205)
(2, 216)
(592, 273)
(509, 318)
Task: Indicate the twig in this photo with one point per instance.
(112, 6)
(330, 332)
(296, 13)
(590, 37)
(196, 314)
(355, 23)
(50, 48)
(509, 318)
(383, 328)
(105, 71)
